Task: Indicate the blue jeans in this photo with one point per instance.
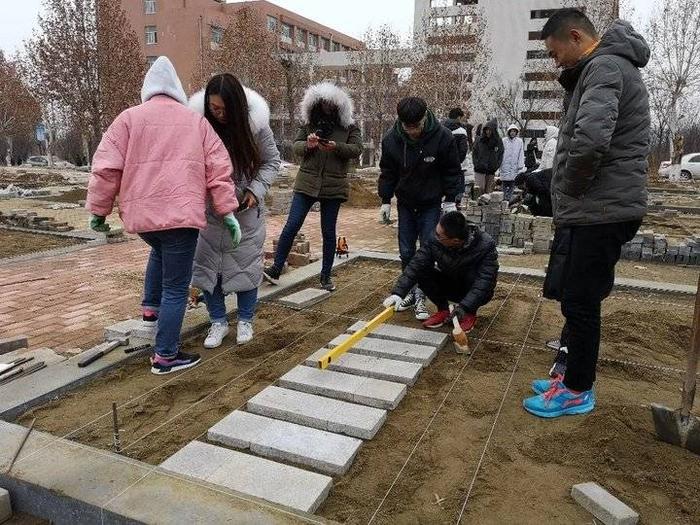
(301, 204)
(415, 224)
(216, 304)
(167, 282)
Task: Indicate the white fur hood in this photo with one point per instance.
(258, 109)
(334, 94)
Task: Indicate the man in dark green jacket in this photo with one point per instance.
(598, 189)
(420, 165)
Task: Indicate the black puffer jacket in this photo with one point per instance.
(488, 151)
(461, 138)
(476, 263)
(420, 173)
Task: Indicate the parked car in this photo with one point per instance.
(42, 161)
(690, 166)
(38, 162)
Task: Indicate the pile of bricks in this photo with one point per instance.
(279, 200)
(300, 255)
(533, 234)
(650, 246)
(32, 221)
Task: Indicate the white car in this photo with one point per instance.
(690, 167)
(665, 169)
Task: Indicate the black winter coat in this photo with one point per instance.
(488, 151)
(461, 139)
(419, 173)
(476, 263)
(539, 197)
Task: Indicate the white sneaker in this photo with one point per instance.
(244, 332)
(217, 332)
(422, 312)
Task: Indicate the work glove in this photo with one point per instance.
(448, 206)
(98, 224)
(392, 301)
(234, 228)
(458, 311)
(385, 214)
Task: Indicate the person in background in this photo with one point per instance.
(487, 156)
(241, 118)
(327, 142)
(163, 161)
(531, 154)
(550, 147)
(513, 161)
(420, 165)
(454, 124)
(459, 264)
(599, 190)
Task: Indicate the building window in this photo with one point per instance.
(286, 33)
(272, 23)
(541, 115)
(537, 53)
(151, 35)
(325, 44)
(149, 7)
(150, 60)
(217, 36)
(336, 46)
(537, 133)
(313, 42)
(541, 76)
(541, 13)
(541, 94)
(301, 37)
(534, 35)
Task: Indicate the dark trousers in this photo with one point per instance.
(581, 273)
(415, 224)
(301, 205)
(441, 288)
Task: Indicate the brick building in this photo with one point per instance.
(183, 30)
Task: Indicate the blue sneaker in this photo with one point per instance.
(560, 401)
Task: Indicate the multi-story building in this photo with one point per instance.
(517, 55)
(183, 30)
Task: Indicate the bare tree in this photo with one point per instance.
(674, 37)
(19, 110)
(84, 59)
(521, 102)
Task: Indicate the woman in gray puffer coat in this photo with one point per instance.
(240, 116)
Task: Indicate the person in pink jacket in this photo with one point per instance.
(162, 160)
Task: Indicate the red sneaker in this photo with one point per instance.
(467, 322)
(437, 319)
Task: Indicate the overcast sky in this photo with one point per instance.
(18, 17)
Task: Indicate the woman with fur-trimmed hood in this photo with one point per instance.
(240, 117)
(326, 143)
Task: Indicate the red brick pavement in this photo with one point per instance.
(64, 302)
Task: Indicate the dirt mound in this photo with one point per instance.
(363, 194)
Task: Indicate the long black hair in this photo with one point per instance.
(236, 133)
(322, 121)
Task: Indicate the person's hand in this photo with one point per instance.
(98, 224)
(385, 213)
(458, 312)
(327, 146)
(448, 206)
(312, 141)
(234, 228)
(249, 200)
(392, 301)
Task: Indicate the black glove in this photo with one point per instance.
(458, 312)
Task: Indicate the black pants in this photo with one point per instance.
(441, 289)
(581, 273)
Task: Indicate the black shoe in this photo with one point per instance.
(161, 366)
(327, 283)
(272, 275)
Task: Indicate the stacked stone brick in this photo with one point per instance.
(32, 221)
(650, 246)
(300, 255)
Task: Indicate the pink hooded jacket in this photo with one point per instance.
(162, 159)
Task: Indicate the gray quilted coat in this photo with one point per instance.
(240, 268)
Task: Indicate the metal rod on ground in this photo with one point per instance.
(21, 446)
(115, 421)
(339, 350)
(692, 364)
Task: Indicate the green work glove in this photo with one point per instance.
(98, 224)
(234, 228)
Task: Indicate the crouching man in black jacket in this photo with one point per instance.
(458, 264)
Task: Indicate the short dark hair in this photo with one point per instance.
(411, 109)
(455, 225)
(566, 19)
(455, 113)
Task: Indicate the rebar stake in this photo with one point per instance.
(115, 421)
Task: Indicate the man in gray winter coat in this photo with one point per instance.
(598, 189)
